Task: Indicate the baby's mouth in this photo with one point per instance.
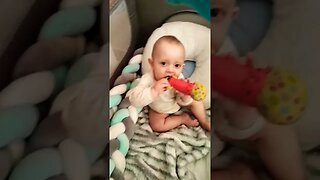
(169, 76)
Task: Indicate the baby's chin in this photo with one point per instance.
(157, 78)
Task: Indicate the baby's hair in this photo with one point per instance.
(167, 38)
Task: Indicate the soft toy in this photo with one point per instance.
(196, 90)
(279, 94)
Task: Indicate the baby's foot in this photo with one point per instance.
(188, 121)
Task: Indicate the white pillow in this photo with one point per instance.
(196, 40)
(293, 41)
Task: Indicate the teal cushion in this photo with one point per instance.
(77, 73)
(119, 116)
(17, 122)
(134, 84)
(39, 165)
(131, 68)
(111, 166)
(114, 100)
(68, 22)
(94, 152)
(60, 75)
(124, 144)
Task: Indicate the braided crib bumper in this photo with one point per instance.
(122, 117)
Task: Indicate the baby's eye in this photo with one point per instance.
(177, 65)
(163, 63)
(217, 14)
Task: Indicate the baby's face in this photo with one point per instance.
(222, 14)
(168, 60)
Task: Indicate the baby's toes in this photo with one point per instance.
(194, 122)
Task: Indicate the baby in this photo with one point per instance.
(277, 146)
(167, 59)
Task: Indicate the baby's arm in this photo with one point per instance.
(196, 107)
(276, 145)
(146, 92)
(279, 149)
(141, 95)
(183, 100)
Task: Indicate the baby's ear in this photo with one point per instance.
(150, 61)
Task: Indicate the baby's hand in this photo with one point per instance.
(183, 97)
(160, 86)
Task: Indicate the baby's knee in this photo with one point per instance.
(195, 104)
(270, 131)
(156, 126)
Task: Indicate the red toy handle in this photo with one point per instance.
(242, 82)
(181, 85)
(279, 94)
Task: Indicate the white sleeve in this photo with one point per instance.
(141, 95)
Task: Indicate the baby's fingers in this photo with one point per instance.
(164, 81)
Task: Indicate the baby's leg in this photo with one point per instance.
(197, 108)
(276, 145)
(279, 149)
(237, 171)
(160, 122)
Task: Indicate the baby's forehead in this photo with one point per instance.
(166, 46)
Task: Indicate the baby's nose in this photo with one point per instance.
(170, 71)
